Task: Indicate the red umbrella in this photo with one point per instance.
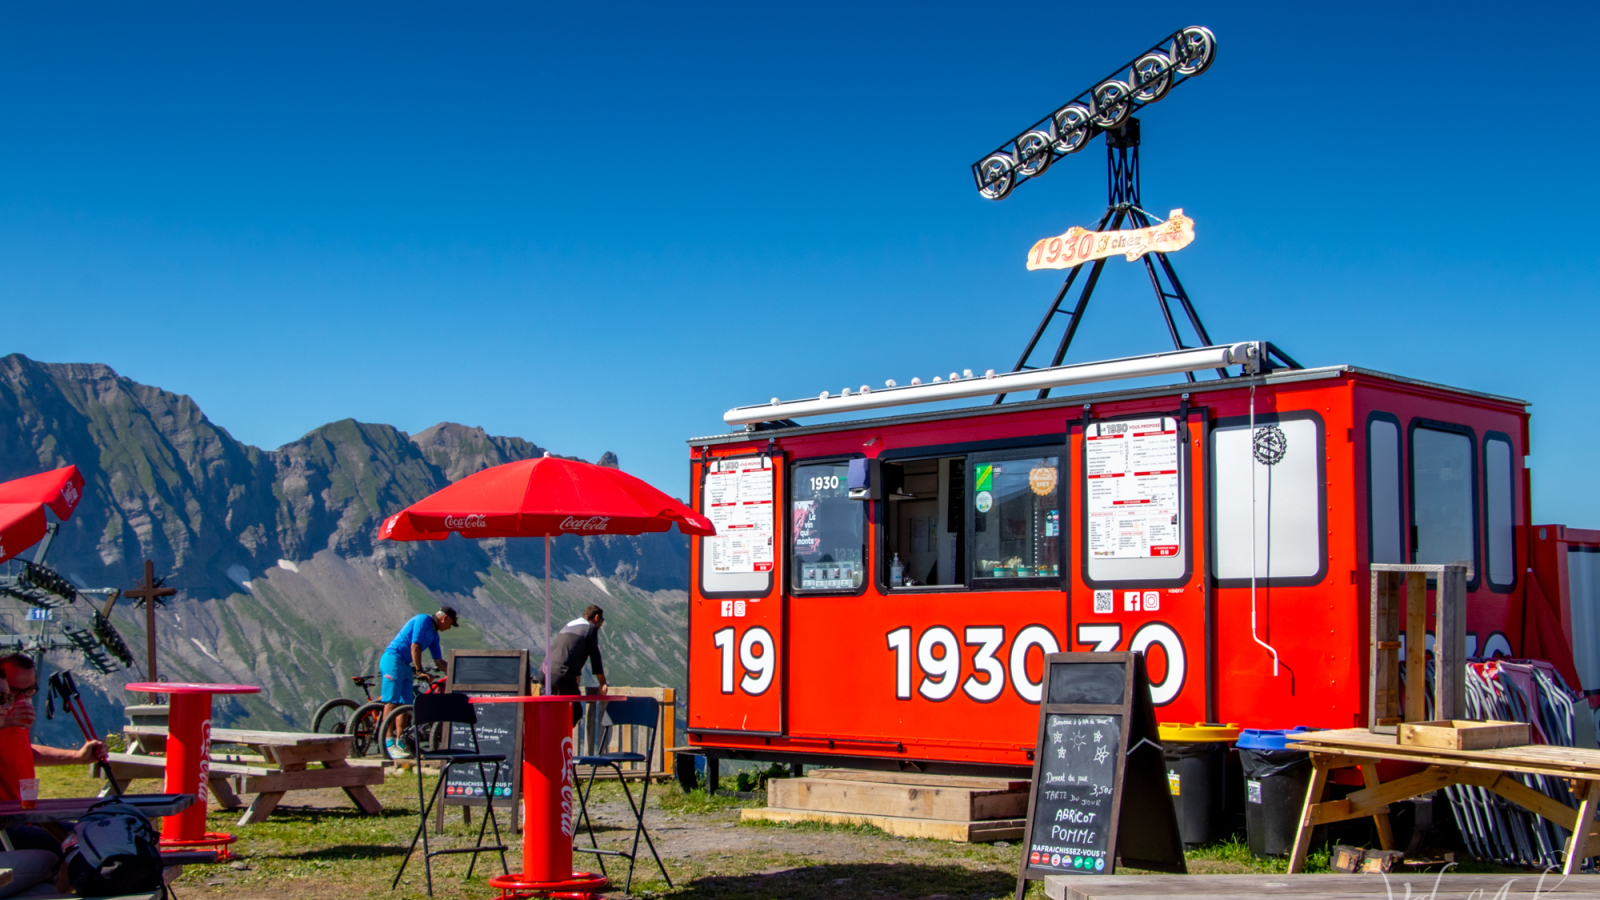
(542, 498)
(22, 503)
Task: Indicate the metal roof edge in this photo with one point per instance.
(1280, 376)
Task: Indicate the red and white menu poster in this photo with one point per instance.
(739, 503)
(1133, 501)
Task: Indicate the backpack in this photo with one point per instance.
(113, 850)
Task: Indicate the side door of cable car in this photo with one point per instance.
(736, 614)
(1139, 579)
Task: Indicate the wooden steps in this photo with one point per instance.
(906, 804)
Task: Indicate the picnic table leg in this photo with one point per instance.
(1302, 835)
(223, 791)
(1578, 846)
(261, 807)
(1369, 777)
(358, 794)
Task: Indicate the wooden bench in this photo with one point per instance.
(285, 758)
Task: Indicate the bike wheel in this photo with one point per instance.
(333, 717)
(365, 725)
(405, 740)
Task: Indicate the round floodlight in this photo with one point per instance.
(1111, 104)
(1194, 49)
(1033, 153)
(1152, 77)
(1072, 129)
(997, 175)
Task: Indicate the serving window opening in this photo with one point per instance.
(924, 525)
(828, 530)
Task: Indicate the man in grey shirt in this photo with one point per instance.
(578, 642)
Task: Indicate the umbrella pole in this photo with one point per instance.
(547, 684)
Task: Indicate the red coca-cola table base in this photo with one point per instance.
(549, 804)
(188, 766)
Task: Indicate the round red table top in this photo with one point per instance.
(551, 698)
(184, 687)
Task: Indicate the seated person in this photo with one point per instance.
(18, 757)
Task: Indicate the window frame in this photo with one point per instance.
(965, 450)
(1212, 559)
(699, 557)
(1182, 416)
(1033, 582)
(790, 586)
(1476, 514)
(1400, 480)
(1511, 459)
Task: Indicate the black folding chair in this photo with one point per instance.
(638, 712)
(456, 710)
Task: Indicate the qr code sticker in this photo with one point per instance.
(1102, 602)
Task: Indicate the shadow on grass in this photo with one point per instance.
(343, 853)
(880, 881)
(336, 814)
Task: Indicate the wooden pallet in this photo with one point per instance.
(899, 826)
(906, 804)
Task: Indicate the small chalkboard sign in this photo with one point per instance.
(488, 673)
(1099, 794)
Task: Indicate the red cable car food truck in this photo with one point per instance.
(881, 592)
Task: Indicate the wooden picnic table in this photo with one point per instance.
(279, 762)
(1491, 770)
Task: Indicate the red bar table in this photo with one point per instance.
(549, 801)
(189, 758)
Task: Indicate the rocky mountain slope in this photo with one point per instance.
(281, 579)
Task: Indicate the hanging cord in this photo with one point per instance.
(1254, 635)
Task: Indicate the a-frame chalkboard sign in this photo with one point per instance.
(1099, 794)
(488, 673)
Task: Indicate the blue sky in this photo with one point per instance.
(600, 227)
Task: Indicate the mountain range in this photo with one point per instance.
(281, 579)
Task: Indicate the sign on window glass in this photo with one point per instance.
(828, 529)
(1016, 518)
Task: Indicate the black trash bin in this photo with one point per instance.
(1197, 758)
(1276, 778)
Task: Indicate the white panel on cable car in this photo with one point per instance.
(1288, 499)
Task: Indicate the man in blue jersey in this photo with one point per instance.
(404, 656)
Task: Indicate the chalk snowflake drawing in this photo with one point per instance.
(1100, 754)
(1270, 445)
(1097, 737)
(1061, 753)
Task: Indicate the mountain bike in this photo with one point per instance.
(399, 719)
(344, 716)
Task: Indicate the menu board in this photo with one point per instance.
(1133, 497)
(739, 504)
(1099, 795)
(488, 673)
(1077, 776)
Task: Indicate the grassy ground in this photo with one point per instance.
(326, 849)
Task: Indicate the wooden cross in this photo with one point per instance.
(149, 592)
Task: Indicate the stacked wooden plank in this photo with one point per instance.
(907, 804)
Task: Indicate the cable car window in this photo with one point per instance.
(1014, 506)
(1442, 496)
(1499, 525)
(924, 535)
(828, 533)
(1384, 520)
(1284, 534)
